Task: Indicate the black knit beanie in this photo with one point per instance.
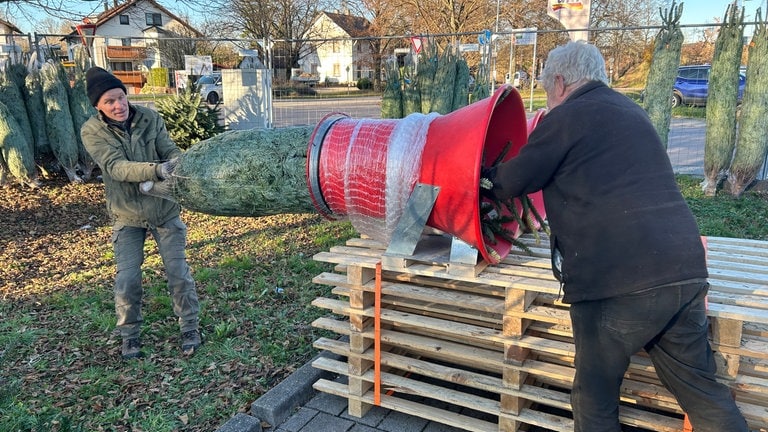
(98, 81)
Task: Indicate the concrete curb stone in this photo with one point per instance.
(276, 405)
(241, 423)
(280, 402)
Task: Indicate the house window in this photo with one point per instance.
(336, 48)
(125, 41)
(124, 20)
(359, 47)
(121, 66)
(154, 19)
(336, 70)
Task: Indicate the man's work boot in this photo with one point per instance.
(132, 349)
(190, 342)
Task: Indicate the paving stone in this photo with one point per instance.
(241, 423)
(328, 423)
(372, 418)
(298, 420)
(440, 427)
(399, 422)
(363, 428)
(328, 403)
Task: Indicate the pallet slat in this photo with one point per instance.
(503, 331)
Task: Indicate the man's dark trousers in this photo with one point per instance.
(670, 323)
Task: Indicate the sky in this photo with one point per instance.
(26, 18)
(707, 11)
(694, 11)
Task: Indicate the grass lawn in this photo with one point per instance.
(59, 355)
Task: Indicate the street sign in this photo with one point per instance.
(526, 36)
(469, 47)
(416, 43)
(484, 37)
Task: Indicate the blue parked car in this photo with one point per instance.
(692, 85)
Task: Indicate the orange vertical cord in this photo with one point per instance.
(377, 339)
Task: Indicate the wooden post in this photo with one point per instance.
(359, 300)
(727, 332)
(516, 300)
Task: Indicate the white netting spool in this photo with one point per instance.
(382, 167)
(366, 163)
(404, 165)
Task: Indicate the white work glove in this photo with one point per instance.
(160, 189)
(165, 170)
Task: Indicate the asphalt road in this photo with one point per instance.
(290, 112)
(685, 146)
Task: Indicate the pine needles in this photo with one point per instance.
(498, 218)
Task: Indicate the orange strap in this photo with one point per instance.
(687, 424)
(377, 339)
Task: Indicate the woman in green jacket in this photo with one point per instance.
(131, 145)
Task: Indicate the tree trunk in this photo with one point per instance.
(752, 144)
(661, 77)
(722, 100)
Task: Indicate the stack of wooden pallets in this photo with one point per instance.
(489, 348)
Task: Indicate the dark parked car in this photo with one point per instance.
(692, 85)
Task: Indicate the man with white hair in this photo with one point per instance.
(625, 245)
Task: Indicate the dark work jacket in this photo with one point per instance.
(127, 157)
(614, 208)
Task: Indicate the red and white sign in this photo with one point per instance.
(416, 44)
(572, 14)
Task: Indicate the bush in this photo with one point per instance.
(158, 77)
(293, 91)
(364, 84)
(148, 89)
(188, 120)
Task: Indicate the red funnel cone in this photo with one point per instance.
(537, 198)
(374, 165)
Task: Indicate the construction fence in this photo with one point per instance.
(325, 68)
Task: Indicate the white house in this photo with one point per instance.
(125, 37)
(339, 51)
(10, 50)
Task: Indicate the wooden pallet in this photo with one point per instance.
(491, 349)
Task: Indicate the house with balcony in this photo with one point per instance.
(126, 38)
(10, 37)
(339, 51)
